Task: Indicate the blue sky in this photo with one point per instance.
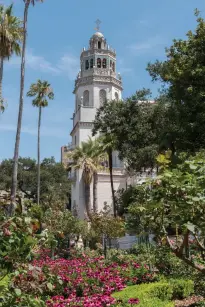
(57, 32)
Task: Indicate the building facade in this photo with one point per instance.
(96, 82)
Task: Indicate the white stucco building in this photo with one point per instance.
(96, 82)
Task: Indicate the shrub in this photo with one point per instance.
(150, 295)
(21, 300)
(199, 284)
(163, 291)
(16, 241)
(169, 265)
(182, 288)
(157, 294)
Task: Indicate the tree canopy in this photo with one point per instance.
(55, 183)
(173, 203)
(137, 127)
(183, 74)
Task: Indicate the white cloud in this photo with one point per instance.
(67, 65)
(148, 45)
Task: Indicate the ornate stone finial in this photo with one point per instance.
(98, 22)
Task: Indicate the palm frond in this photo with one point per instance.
(41, 90)
(11, 32)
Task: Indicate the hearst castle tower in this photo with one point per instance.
(97, 81)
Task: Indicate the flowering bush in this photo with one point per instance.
(16, 240)
(79, 282)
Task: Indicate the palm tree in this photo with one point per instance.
(40, 90)
(11, 35)
(98, 156)
(86, 157)
(108, 146)
(21, 100)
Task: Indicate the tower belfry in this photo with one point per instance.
(96, 83)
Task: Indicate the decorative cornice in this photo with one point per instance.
(98, 51)
(99, 79)
(81, 125)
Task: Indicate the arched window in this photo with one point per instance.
(104, 63)
(86, 98)
(86, 64)
(99, 45)
(102, 97)
(116, 96)
(98, 63)
(113, 66)
(91, 63)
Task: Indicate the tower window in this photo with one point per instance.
(86, 64)
(99, 45)
(103, 97)
(86, 98)
(116, 96)
(113, 66)
(91, 63)
(98, 63)
(104, 63)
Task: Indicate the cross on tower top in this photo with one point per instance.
(98, 22)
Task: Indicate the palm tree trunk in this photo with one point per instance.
(95, 191)
(87, 199)
(111, 182)
(21, 100)
(39, 165)
(1, 79)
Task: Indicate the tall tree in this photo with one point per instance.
(108, 146)
(183, 74)
(172, 207)
(41, 91)
(21, 102)
(87, 158)
(11, 35)
(137, 126)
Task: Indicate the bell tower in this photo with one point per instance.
(96, 82)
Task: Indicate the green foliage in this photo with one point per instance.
(150, 295)
(199, 284)
(10, 32)
(22, 300)
(136, 126)
(158, 293)
(127, 197)
(41, 91)
(54, 180)
(183, 74)
(173, 204)
(104, 223)
(16, 241)
(88, 157)
(120, 256)
(181, 288)
(169, 265)
(41, 282)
